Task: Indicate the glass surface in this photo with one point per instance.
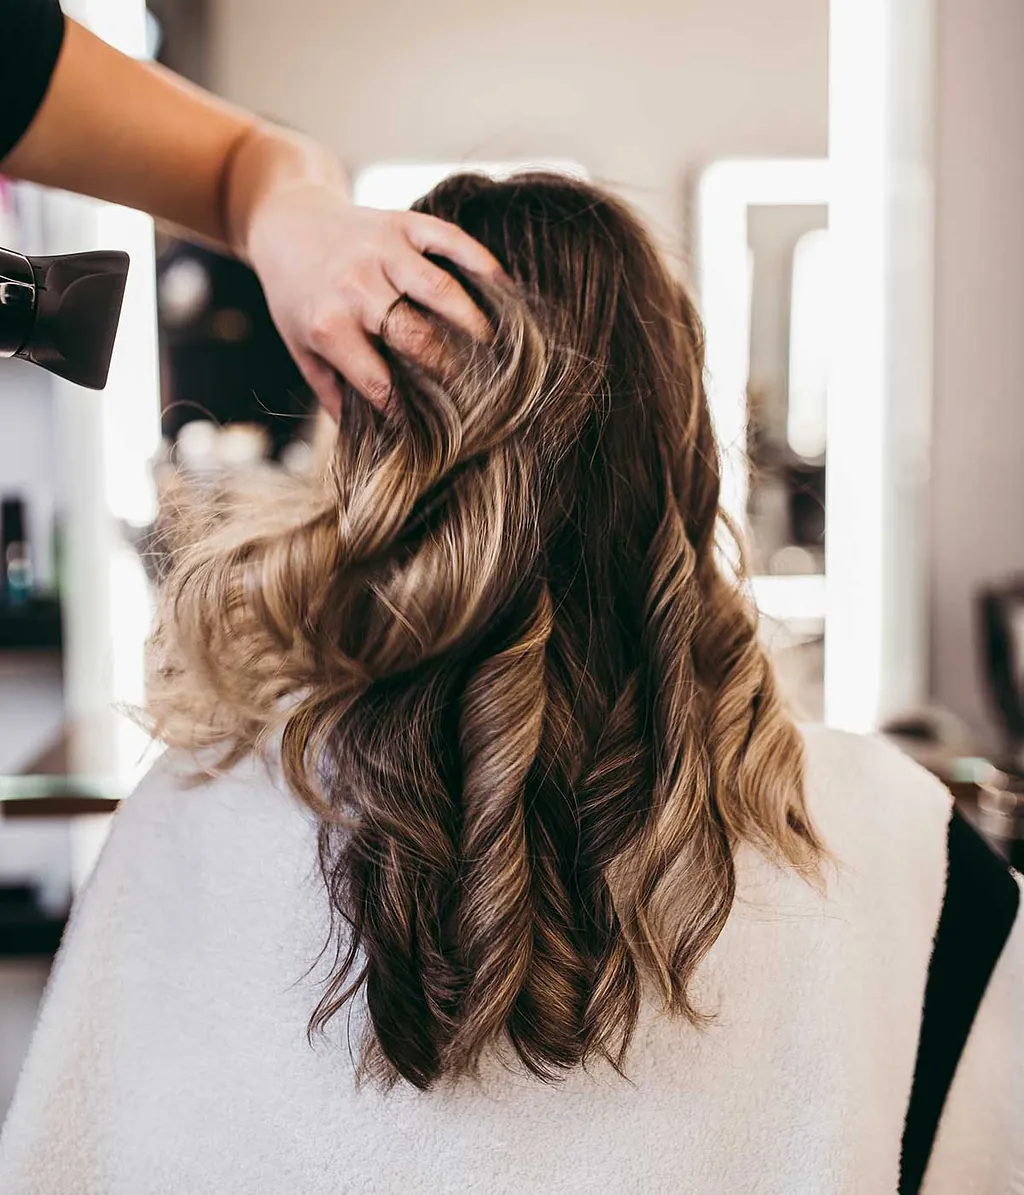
(786, 390)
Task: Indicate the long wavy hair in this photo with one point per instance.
(509, 671)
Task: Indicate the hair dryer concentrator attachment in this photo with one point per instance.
(61, 313)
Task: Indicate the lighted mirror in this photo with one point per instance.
(764, 280)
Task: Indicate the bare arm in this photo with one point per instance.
(138, 135)
(134, 134)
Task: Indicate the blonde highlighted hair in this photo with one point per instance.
(509, 673)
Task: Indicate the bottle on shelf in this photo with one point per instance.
(18, 580)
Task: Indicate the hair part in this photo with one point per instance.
(510, 675)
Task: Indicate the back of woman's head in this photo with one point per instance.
(515, 684)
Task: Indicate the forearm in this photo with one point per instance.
(135, 134)
(268, 159)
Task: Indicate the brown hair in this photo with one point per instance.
(524, 697)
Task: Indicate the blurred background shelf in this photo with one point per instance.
(58, 796)
(27, 930)
(791, 599)
(32, 626)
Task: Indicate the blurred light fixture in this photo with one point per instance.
(809, 337)
(881, 126)
(154, 36)
(856, 421)
(727, 190)
(794, 598)
(397, 185)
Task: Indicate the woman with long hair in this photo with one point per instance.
(486, 857)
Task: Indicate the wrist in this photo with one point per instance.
(265, 162)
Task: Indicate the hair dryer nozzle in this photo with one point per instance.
(61, 312)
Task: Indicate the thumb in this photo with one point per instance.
(323, 381)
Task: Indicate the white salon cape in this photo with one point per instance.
(171, 1056)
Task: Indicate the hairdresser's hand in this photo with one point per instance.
(333, 272)
(133, 133)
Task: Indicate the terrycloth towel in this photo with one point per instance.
(171, 1054)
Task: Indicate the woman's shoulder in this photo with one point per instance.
(839, 756)
(195, 864)
(878, 811)
(186, 812)
(867, 779)
(200, 782)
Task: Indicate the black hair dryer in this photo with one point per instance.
(61, 313)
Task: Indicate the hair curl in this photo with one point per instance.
(511, 675)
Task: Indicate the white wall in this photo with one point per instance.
(978, 447)
(21, 988)
(641, 92)
(27, 439)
